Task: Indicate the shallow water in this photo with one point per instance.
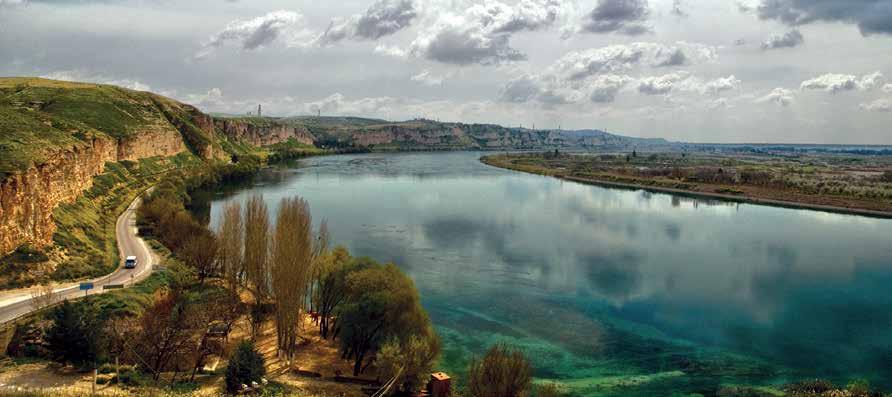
(611, 292)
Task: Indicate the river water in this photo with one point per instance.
(611, 292)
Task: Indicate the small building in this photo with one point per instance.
(440, 385)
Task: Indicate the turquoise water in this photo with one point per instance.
(612, 292)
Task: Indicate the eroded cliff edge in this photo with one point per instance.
(56, 137)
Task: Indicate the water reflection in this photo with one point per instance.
(605, 287)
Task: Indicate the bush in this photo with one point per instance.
(887, 176)
(245, 366)
(75, 334)
(503, 372)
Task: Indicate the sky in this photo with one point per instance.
(784, 71)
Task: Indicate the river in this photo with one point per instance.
(611, 292)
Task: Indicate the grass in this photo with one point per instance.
(39, 117)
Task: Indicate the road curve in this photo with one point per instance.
(17, 303)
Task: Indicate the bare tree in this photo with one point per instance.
(231, 241)
(293, 256)
(43, 296)
(200, 252)
(256, 247)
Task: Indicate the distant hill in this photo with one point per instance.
(422, 134)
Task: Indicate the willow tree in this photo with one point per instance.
(231, 243)
(257, 247)
(293, 255)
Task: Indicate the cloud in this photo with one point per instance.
(521, 90)
(722, 84)
(871, 81)
(393, 51)
(213, 99)
(661, 85)
(427, 78)
(606, 87)
(259, 32)
(618, 16)
(383, 18)
(577, 65)
(790, 39)
(778, 96)
(338, 104)
(879, 105)
(83, 76)
(887, 88)
(835, 83)
(481, 33)
(871, 16)
(10, 3)
(528, 15)
(465, 46)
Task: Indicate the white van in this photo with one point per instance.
(130, 262)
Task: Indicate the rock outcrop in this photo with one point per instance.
(27, 199)
(263, 135)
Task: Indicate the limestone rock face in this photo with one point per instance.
(27, 199)
(263, 135)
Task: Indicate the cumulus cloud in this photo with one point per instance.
(393, 51)
(383, 18)
(577, 65)
(340, 105)
(678, 9)
(259, 32)
(661, 85)
(606, 87)
(618, 16)
(722, 84)
(887, 88)
(835, 83)
(778, 96)
(790, 39)
(879, 105)
(871, 16)
(481, 34)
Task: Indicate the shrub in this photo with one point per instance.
(246, 365)
(887, 176)
(75, 334)
(503, 372)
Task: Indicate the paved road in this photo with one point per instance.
(15, 303)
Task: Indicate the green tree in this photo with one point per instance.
(410, 362)
(382, 303)
(75, 334)
(245, 366)
(331, 286)
(502, 372)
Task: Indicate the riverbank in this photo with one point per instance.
(723, 192)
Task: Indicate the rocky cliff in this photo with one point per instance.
(27, 199)
(55, 137)
(263, 133)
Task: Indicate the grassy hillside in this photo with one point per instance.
(38, 116)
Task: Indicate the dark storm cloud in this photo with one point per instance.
(618, 16)
(383, 18)
(465, 47)
(790, 39)
(871, 16)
